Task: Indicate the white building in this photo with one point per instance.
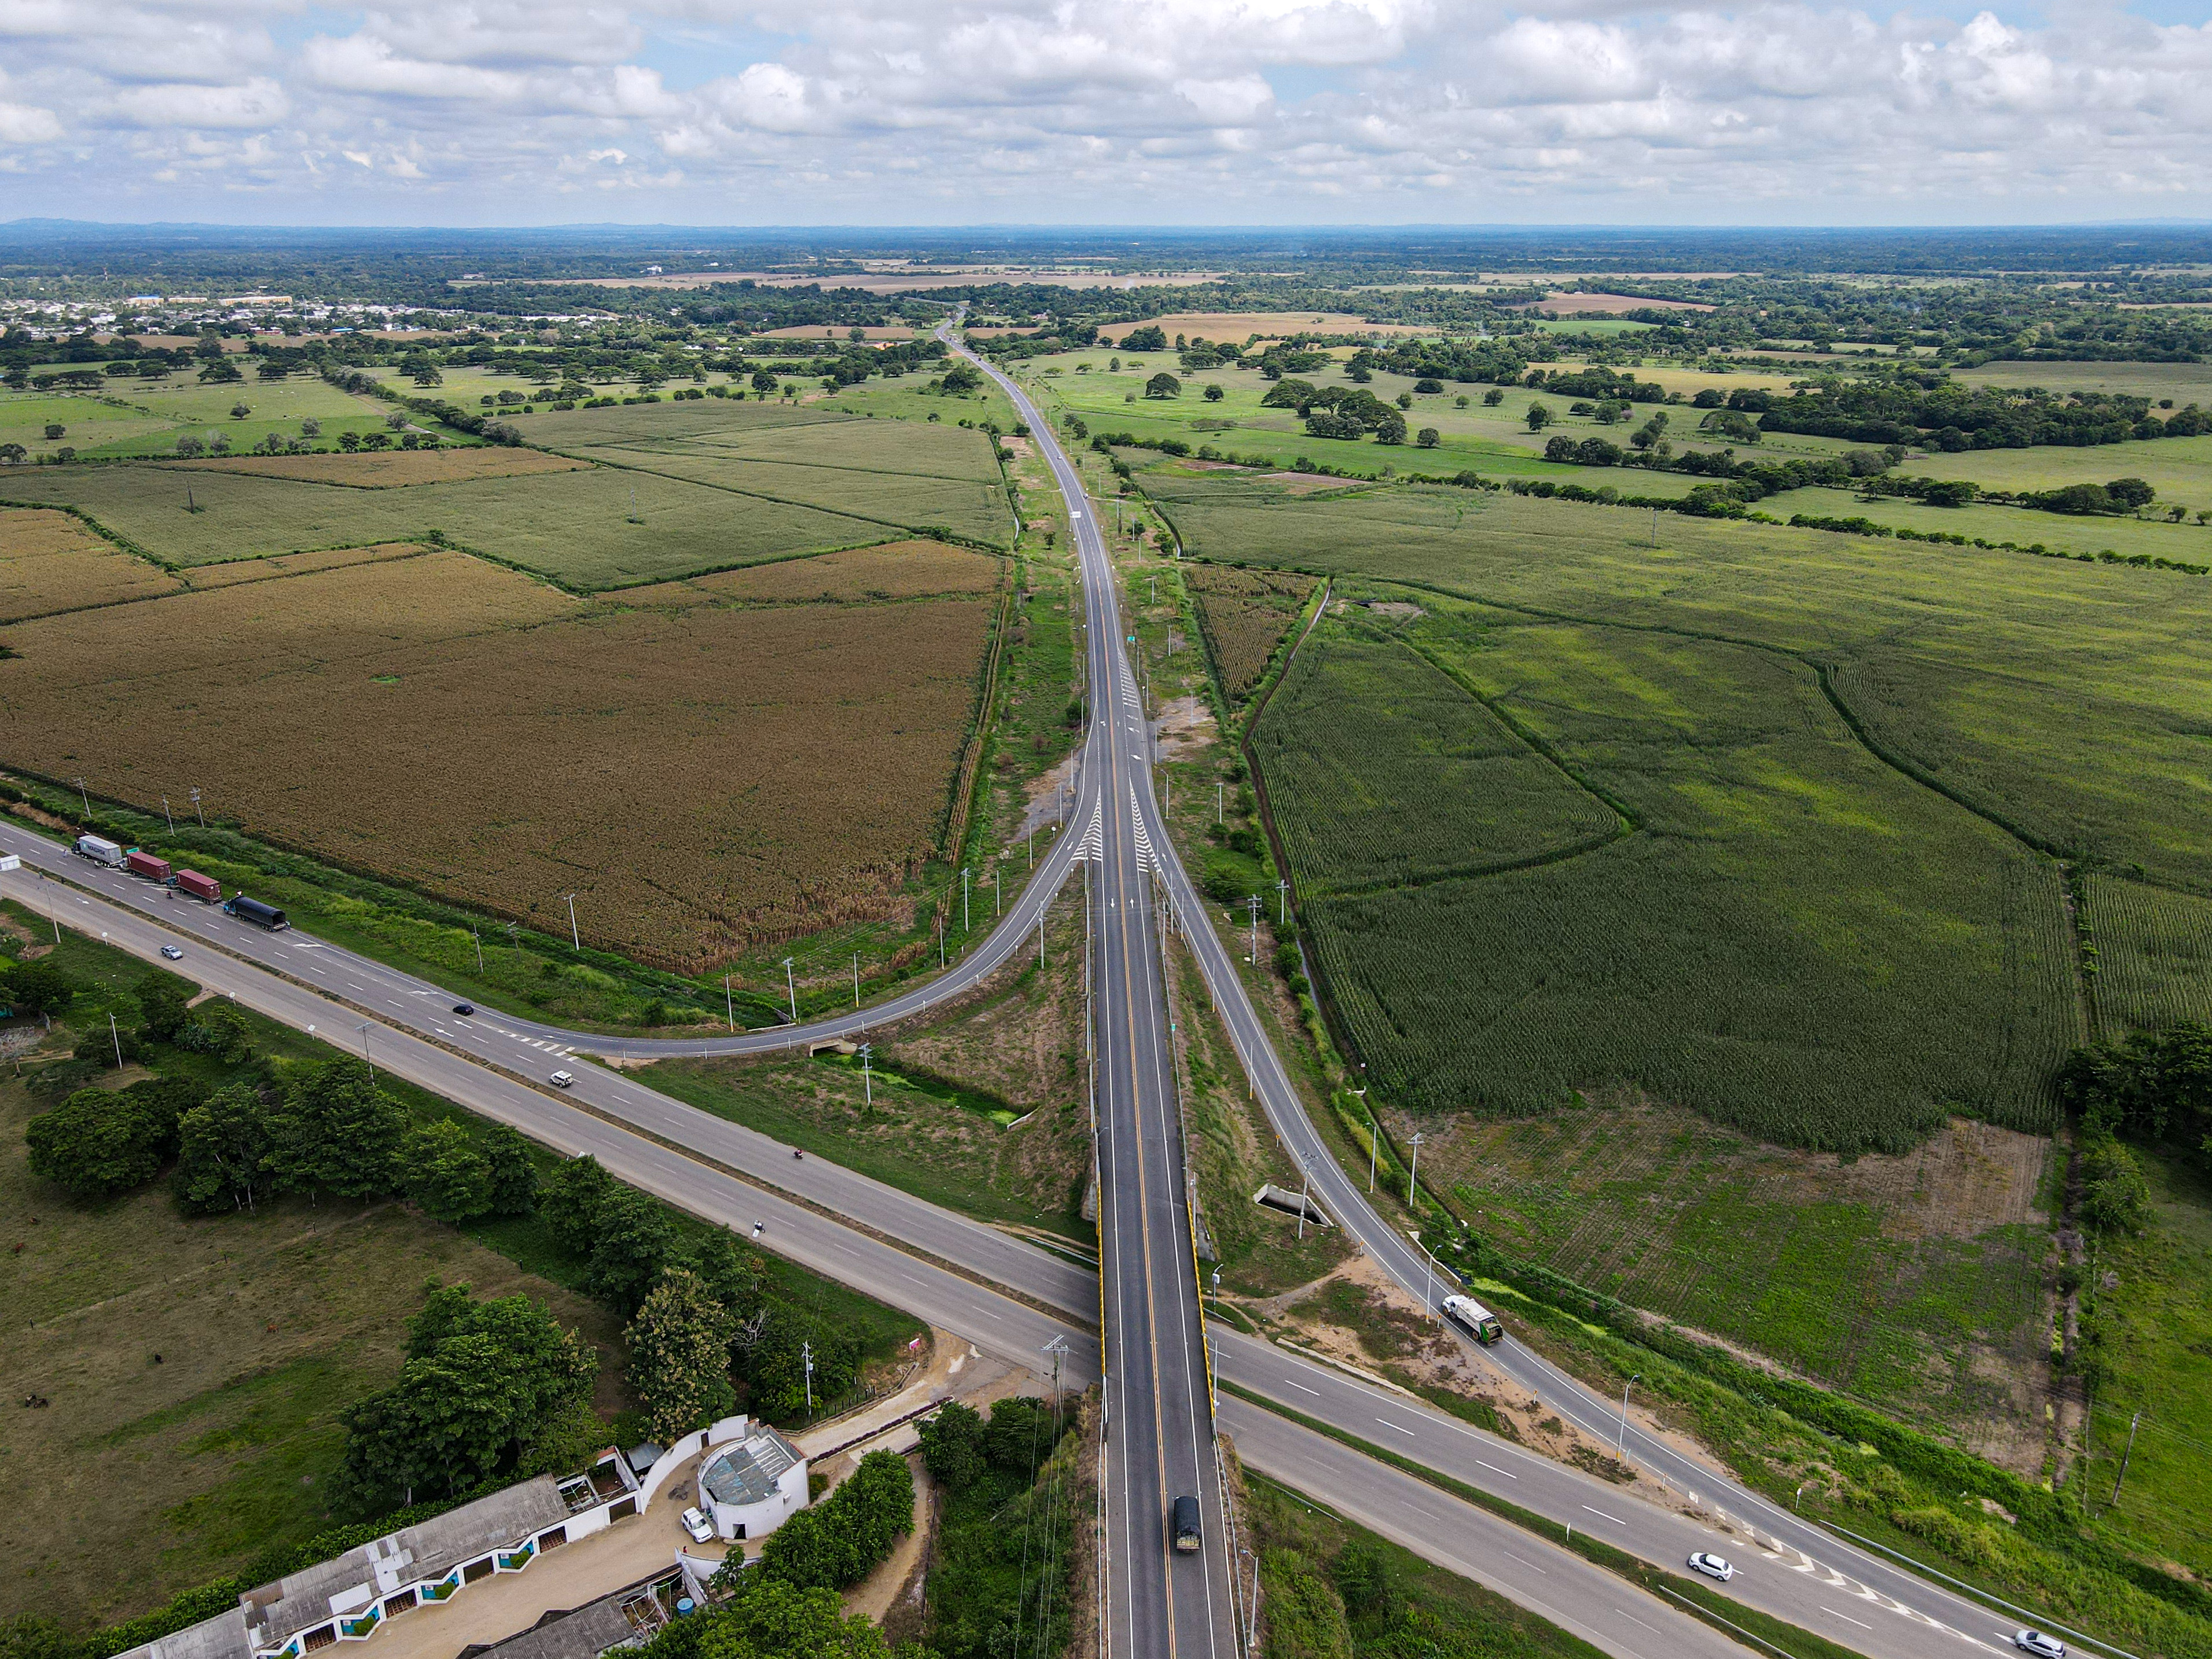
(750, 1483)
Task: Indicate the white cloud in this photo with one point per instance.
(1429, 110)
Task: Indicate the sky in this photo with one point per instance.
(1047, 112)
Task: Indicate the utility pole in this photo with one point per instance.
(1306, 1170)
(1414, 1171)
(1219, 790)
(2133, 1425)
(1374, 1139)
(196, 808)
(1256, 929)
(575, 938)
(963, 901)
(856, 979)
(86, 798)
(116, 1038)
(940, 941)
(1040, 940)
(867, 1077)
(791, 985)
(995, 894)
(1283, 897)
(1620, 1445)
(478, 938)
(729, 1002)
(168, 815)
(365, 1060)
(806, 1355)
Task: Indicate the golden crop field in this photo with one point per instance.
(49, 562)
(894, 570)
(394, 469)
(1243, 614)
(271, 565)
(702, 777)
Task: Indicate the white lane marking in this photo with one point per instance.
(1633, 1620)
(1531, 1565)
(1301, 1389)
(1845, 1617)
(1400, 1428)
(1494, 1469)
(1602, 1516)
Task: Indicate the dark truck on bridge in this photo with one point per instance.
(1184, 1530)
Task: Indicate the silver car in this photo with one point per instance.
(1712, 1566)
(2035, 1642)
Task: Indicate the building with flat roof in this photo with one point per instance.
(752, 1482)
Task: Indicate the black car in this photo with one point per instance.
(465, 1008)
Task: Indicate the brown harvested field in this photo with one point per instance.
(895, 570)
(394, 469)
(49, 562)
(275, 565)
(1607, 305)
(818, 332)
(1242, 615)
(1236, 325)
(703, 778)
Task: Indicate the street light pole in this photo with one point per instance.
(1306, 1170)
(1283, 897)
(963, 901)
(729, 1002)
(1255, 930)
(170, 815)
(575, 938)
(365, 1060)
(1374, 1138)
(791, 985)
(867, 1078)
(1620, 1446)
(1413, 1172)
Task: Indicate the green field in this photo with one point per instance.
(2153, 954)
(1341, 786)
(1794, 938)
(2156, 1310)
(905, 473)
(134, 417)
(1916, 1282)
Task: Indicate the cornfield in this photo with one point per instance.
(1242, 616)
(2154, 955)
(49, 563)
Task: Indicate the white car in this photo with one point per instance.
(1712, 1565)
(562, 1080)
(2035, 1642)
(173, 953)
(701, 1528)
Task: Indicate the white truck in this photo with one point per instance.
(100, 850)
(1477, 1321)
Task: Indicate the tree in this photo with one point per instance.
(56, 431)
(240, 409)
(349, 441)
(571, 1201)
(339, 1132)
(1149, 338)
(1539, 417)
(480, 1381)
(679, 1357)
(840, 1541)
(953, 1447)
(1164, 385)
(513, 1176)
(763, 381)
(2115, 1197)
(772, 1619)
(1391, 428)
(1405, 401)
(188, 446)
(39, 990)
(101, 1142)
(1019, 1437)
(634, 1242)
(225, 1150)
(1214, 393)
(446, 1174)
(1429, 438)
(217, 1029)
(2130, 493)
(1494, 396)
(219, 371)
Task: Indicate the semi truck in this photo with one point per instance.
(260, 914)
(1477, 1321)
(204, 888)
(100, 850)
(145, 864)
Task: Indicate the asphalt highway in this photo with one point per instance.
(942, 1267)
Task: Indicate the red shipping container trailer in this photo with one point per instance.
(145, 864)
(199, 886)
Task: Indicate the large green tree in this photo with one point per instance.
(679, 1357)
(39, 990)
(445, 1173)
(339, 1132)
(634, 1241)
(570, 1202)
(480, 1381)
(514, 1175)
(164, 1004)
(100, 1142)
(226, 1147)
